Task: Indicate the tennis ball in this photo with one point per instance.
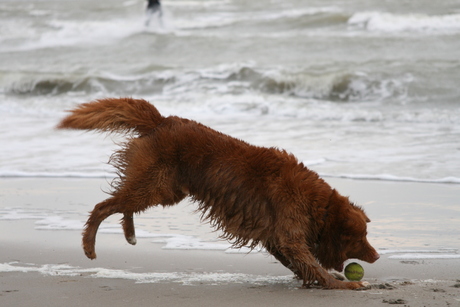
(354, 272)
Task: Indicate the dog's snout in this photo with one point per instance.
(370, 255)
(376, 256)
(373, 256)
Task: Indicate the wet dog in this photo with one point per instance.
(257, 196)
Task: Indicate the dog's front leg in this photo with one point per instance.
(311, 271)
(282, 259)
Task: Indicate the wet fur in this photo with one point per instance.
(255, 195)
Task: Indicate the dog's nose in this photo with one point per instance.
(372, 256)
(376, 257)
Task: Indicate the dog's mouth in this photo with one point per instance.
(339, 267)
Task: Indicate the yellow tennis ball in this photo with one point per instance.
(354, 272)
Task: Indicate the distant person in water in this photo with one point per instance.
(153, 6)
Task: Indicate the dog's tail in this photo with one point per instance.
(114, 115)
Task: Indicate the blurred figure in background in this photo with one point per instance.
(153, 7)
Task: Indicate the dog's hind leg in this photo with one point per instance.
(119, 205)
(100, 212)
(128, 228)
(143, 190)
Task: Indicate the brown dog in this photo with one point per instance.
(255, 195)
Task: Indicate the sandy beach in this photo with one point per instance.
(415, 227)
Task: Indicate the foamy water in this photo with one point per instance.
(400, 23)
(150, 277)
(178, 239)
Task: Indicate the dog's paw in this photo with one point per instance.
(350, 285)
(362, 285)
(90, 254)
(132, 240)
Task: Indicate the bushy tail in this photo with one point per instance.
(114, 114)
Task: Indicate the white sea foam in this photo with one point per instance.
(58, 223)
(418, 251)
(8, 213)
(69, 33)
(388, 22)
(152, 277)
(424, 256)
(184, 242)
(421, 254)
(388, 177)
(48, 220)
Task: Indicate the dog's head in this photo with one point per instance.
(343, 235)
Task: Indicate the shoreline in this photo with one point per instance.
(41, 267)
(357, 177)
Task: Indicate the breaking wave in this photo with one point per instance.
(336, 86)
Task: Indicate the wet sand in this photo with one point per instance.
(412, 224)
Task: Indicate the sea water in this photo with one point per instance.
(356, 89)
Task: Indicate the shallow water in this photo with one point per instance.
(409, 220)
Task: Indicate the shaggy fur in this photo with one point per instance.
(255, 195)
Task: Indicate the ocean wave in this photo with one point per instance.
(302, 18)
(232, 89)
(231, 79)
(54, 33)
(339, 85)
(282, 19)
(59, 32)
(109, 84)
(325, 93)
(388, 22)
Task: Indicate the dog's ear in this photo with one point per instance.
(367, 219)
